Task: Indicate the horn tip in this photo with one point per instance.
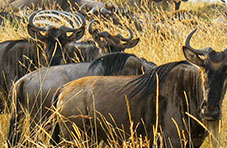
(195, 30)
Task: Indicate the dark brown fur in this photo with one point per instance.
(18, 57)
(176, 3)
(75, 99)
(35, 90)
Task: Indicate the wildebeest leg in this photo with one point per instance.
(2, 101)
(177, 5)
(55, 136)
(61, 130)
(15, 129)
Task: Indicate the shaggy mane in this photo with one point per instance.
(111, 63)
(148, 81)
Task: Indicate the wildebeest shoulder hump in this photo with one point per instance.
(109, 61)
(147, 82)
(12, 44)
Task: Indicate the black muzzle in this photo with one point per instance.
(211, 112)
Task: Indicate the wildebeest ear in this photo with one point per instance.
(131, 43)
(34, 32)
(78, 34)
(192, 57)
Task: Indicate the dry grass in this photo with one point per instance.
(157, 46)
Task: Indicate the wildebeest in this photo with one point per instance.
(165, 3)
(102, 43)
(65, 5)
(35, 90)
(18, 57)
(196, 86)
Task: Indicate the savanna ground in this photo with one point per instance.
(160, 46)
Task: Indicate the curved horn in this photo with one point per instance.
(48, 22)
(79, 18)
(90, 29)
(187, 42)
(93, 10)
(81, 9)
(105, 11)
(100, 34)
(72, 19)
(49, 13)
(82, 22)
(202, 51)
(126, 39)
(31, 18)
(82, 19)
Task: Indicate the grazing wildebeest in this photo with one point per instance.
(65, 5)
(18, 57)
(106, 43)
(202, 78)
(165, 3)
(40, 85)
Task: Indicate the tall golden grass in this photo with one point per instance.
(160, 47)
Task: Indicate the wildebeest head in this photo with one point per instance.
(53, 37)
(112, 43)
(175, 3)
(214, 77)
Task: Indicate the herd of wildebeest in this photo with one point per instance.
(55, 69)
